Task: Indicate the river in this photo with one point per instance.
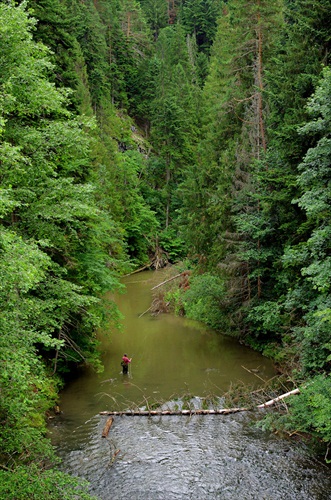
(176, 457)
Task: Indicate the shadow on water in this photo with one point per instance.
(175, 457)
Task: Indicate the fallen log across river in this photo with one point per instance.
(144, 413)
(221, 411)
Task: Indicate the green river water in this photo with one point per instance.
(175, 457)
(171, 356)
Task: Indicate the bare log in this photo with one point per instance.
(149, 264)
(252, 372)
(166, 281)
(114, 457)
(144, 413)
(279, 398)
(142, 314)
(107, 427)
(220, 411)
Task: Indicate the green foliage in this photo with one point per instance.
(220, 173)
(173, 119)
(309, 260)
(24, 67)
(156, 14)
(29, 482)
(266, 318)
(310, 410)
(199, 18)
(114, 39)
(27, 391)
(240, 194)
(137, 220)
(173, 244)
(203, 301)
(46, 163)
(218, 185)
(315, 341)
(55, 249)
(90, 33)
(55, 29)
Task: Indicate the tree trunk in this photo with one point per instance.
(167, 281)
(273, 401)
(221, 411)
(107, 427)
(146, 413)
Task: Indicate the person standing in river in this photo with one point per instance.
(125, 363)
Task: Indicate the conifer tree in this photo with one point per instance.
(234, 146)
(174, 122)
(310, 295)
(156, 12)
(199, 18)
(301, 48)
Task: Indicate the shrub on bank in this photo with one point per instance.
(32, 483)
(202, 301)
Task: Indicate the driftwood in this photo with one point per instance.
(221, 411)
(144, 413)
(114, 457)
(166, 281)
(273, 401)
(107, 427)
(142, 314)
(139, 270)
(253, 373)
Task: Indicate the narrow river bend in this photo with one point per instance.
(171, 457)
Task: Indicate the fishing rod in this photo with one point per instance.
(130, 368)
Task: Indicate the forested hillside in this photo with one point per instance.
(140, 133)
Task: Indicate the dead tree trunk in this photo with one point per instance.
(273, 401)
(166, 281)
(107, 427)
(146, 413)
(221, 411)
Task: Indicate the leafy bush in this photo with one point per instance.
(202, 301)
(30, 482)
(173, 244)
(266, 317)
(308, 412)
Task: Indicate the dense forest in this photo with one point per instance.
(143, 133)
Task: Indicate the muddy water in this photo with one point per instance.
(207, 457)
